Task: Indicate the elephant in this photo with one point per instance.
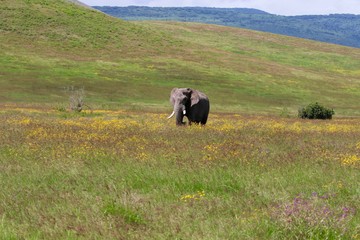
(191, 103)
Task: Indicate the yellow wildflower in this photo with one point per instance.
(350, 160)
(193, 197)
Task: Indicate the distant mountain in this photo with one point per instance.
(340, 29)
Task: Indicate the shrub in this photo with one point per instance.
(76, 98)
(315, 111)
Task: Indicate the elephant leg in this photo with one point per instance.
(203, 122)
(189, 120)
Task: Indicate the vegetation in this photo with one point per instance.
(127, 175)
(48, 45)
(76, 99)
(316, 111)
(120, 170)
(335, 28)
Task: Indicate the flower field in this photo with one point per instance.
(134, 175)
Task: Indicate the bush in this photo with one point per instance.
(315, 111)
(76, 98)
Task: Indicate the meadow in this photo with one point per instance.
(125, 174)
(123, 171)
(48, 46)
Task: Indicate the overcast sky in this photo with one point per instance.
(281, 7)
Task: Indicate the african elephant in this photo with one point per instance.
(191, 103)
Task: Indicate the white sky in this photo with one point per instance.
(281, 7)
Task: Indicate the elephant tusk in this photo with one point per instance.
(172, 114)
(184, 112)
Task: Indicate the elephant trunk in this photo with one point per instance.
(179, 111)
(179, 117)
(172, 114)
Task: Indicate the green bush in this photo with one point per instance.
(315, 111)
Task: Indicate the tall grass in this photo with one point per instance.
(130, 174)
(122, 174)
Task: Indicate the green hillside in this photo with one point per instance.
(334, 28)
(48, 46)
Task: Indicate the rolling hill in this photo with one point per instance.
(48, 45)
(335, 28)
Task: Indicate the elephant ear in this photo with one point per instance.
(194, 97)
(172, 95)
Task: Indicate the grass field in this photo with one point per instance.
(48, 45)
(131, 175)
(123, 171)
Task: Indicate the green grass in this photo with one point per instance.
(51, 45)
(129, 173)
(122, 174)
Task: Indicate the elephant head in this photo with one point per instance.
(190, 103)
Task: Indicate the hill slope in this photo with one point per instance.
(48, 45)
(336, 28)
(66, 26)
